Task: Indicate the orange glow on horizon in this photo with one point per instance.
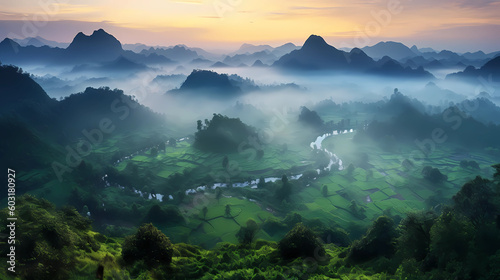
(223, 22)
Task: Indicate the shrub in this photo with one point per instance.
(246, 234)
(300, 242)
(378, 241)
(149, 245)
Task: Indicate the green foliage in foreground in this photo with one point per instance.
(57, 244)
(460, 242)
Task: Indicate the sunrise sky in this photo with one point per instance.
(466, 25)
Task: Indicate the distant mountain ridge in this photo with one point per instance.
(316, 54)
(39, 42)
(394, 50)
(490, 72)
(99, 47)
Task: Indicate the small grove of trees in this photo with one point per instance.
(149, 245)
(378, 241)
(469, 163)
(262, 182)
(247, 233)
(310, 118)
(300, 242)
(226, 135)
(433, 174)
(154, 152)
(285, 190)
(172, 142)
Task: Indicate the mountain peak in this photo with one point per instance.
(99, 31)
(100, 46)
(315, 42)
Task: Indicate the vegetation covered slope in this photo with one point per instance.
(459, 241)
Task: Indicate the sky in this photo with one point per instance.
(464, 25)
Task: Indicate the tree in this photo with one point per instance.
(378, 241)
(199, 125)
(286, 189)
(172, 142)
(474, 200)
(350, 169)
(205, 211)
(450, 238)
(310, 118)
(154, 152)
(300, 242)
(225, 162)
(496, 176)
(415, 237)
(218, 193)
(247, 234)
(149, 245)
(162, 146)
(228, 210)
(433, 174)
(262, 182)
(356, 210)
(284, 179)
(325, 191)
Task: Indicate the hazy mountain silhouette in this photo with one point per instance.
(204, 81)
(39, 42)
(100, 46)
(490, 72)
(259, 63)
(360, 60)
(284, 49)
(395, 69)
(394, 50)
(121, 64)
(177, 53)
(475, 55)
(278, 51)
(432, 93)
(434, 64)
(315, 54)
(249, 48)
(219, 64)
(484, 111)
(13, 53)
(263, 56)
(8, 47)
(450, 59)
(201, 63)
